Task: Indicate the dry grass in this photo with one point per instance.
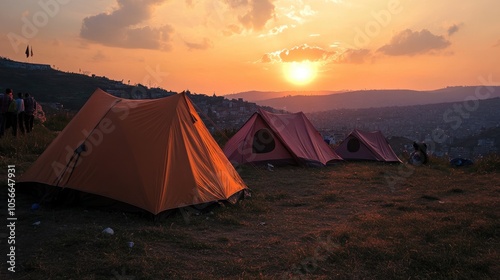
(350, 221)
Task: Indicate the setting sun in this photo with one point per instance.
(300, 73)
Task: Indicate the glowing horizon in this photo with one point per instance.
(225, 47)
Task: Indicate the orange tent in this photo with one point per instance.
(153, 154)
(279, 138)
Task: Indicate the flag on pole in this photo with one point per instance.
(27, 52)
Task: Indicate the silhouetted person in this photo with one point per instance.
(29, 111)
(419, 155)
(20, 112)
(4, 105)
(12, 114)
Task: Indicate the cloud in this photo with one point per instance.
(454, 29)
(267, 58)
(299, 14)
(232, 29)
(120, 27)
(304, 52)
(205, 44)
(411, 43)
(242, 15)
(275, 31)
(317, 54)
(237, 3)
(354, 56)
(298, 54)
(260, 12)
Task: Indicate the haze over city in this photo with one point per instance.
(231, 46)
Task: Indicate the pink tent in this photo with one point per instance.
(363, 145)
(279, 138)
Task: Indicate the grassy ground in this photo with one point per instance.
(350, 221)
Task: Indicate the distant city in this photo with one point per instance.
(447, 130)
(471, 132)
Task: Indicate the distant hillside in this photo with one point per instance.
(377, 98)
(49, 85)
(254, 96)
(72, 90)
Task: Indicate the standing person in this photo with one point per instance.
(20, 112)
(4, 104)
(12, 114)
(29, 110)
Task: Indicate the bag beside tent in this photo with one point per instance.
(153, 154)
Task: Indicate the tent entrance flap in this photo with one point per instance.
(263, 141)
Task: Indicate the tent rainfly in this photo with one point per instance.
(363, 145)
(153, 154)
(279, 138)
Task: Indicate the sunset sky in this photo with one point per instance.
(230, 46)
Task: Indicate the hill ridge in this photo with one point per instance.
(359, 99)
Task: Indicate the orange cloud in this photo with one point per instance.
(317, 54)
(409, 42)
(260, 12)
(354, 56)
(205, 44)
(454, 29)
(119, 28)
(304, 52)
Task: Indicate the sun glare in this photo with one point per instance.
(300, 73)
